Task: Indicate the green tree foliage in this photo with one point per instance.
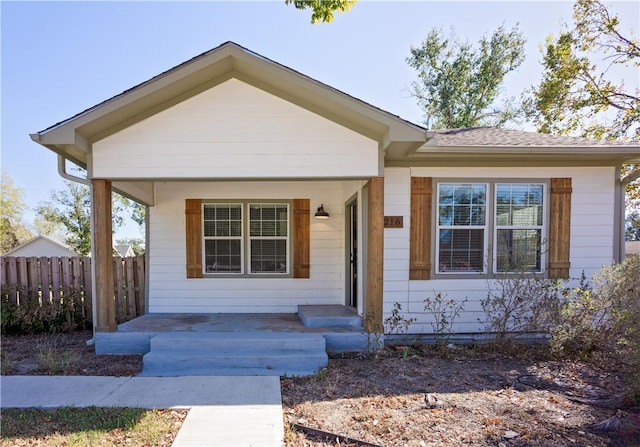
(13, 232)
(70, 208)
(323, 10)
(577, 94)
(632, 226)
(458, 85)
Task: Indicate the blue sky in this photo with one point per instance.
(59, 58)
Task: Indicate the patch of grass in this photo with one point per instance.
(52, 360)
(6, 366)
(90, 426)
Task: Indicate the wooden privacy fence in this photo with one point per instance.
(49, 279)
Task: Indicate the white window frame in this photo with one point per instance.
(246, 238)
(542, 227)
(484, 228)
(209, 238)
(286, 238)
(490, 228)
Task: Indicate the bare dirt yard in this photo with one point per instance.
(419, 397)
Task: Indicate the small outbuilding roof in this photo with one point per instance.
(41, 246)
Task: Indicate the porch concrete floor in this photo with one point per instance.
(227, 323)
(133, 337)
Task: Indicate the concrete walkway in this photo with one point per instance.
(224, 411)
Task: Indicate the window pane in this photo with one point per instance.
(222, 255)
(445, 215)
(518, 250)
(222, 220)
(461, 250)
(446, 194)
(268, 220)
(462, 204)
(519, 204)
(268, 256)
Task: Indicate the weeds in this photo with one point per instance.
(521, 303)
(397, 324)
(53, 360)
(444, 313)
(601, 319)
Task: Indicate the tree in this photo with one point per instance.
(322, 9)
(13, 232)
(576, 94)
(632, 226)
(71, 208)
(458, 86)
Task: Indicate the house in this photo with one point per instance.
(124, 251)
(41, 246)
(268, 190)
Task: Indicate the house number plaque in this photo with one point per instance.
(393, 222)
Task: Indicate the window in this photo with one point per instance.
(519, 226)
(223, 238)
(489, 226)
(246, 238)
(462, 210)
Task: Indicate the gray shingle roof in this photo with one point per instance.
(494, 137)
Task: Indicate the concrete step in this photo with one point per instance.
(329, 316)
(260, 353)
(161, 364)
(236, 342)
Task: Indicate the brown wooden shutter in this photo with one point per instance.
(420, 232)
(560, 228)
(301, 238)
(193, 230)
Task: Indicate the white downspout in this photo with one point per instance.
(62, 170)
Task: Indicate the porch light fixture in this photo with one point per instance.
(321, 213)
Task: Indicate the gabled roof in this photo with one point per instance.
(42, 239)
(403, 142)
(72, 138)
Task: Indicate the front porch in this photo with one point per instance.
(237, 344)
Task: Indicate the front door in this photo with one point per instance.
(352, 253)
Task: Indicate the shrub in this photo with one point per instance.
(32, 316)
(522, 302)
(444, 311)
(601, 320)
(396, 323)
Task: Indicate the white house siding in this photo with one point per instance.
(235, 130)
(592, 227)
(171, 291)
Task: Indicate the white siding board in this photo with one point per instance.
(171, 291)
(211, 136)
(592, 220)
